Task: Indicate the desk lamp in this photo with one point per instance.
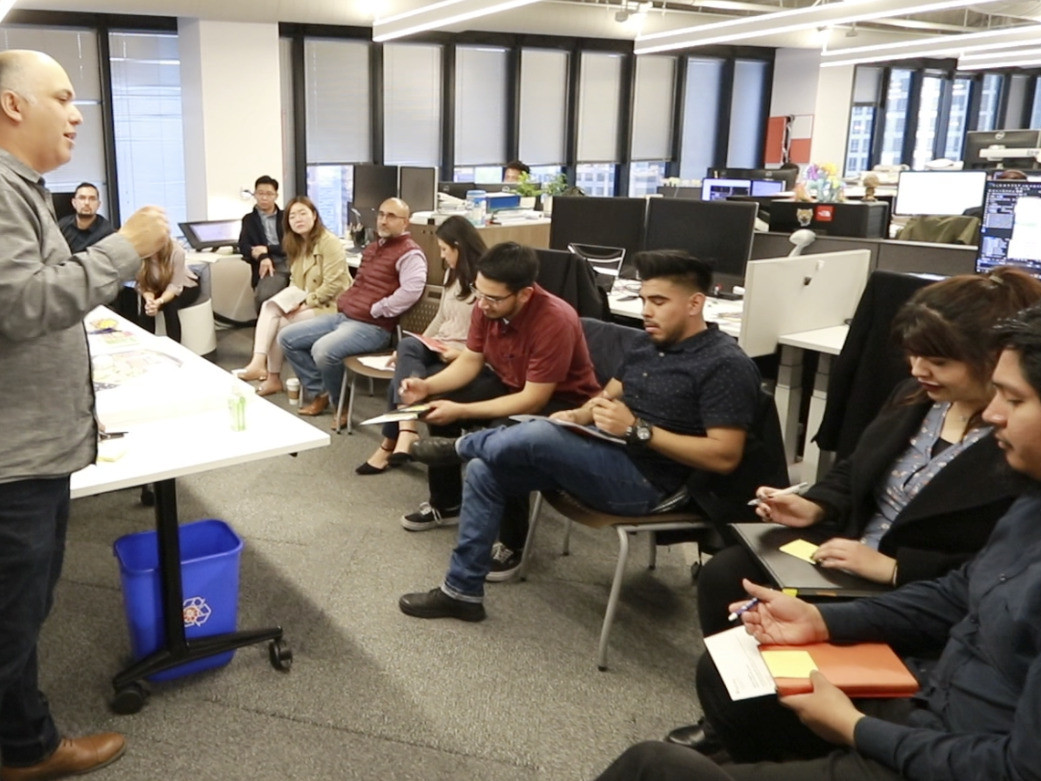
(801, 238)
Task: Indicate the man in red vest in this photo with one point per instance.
(389, 281)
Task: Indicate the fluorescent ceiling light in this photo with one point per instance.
(845, 12)
(934, 46)
(984, 64)
(5, 6)
(992, 56)
(438, 15)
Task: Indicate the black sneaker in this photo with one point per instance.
(505, 563)
(429, 517)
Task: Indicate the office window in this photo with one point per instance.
(146, 115)
(895, 117)
(598, 106)
(957, 118)
(480, 105)
(1015, 109)
(331, 187)
(543, 106)
(596, 178)
(481, 174)
(989, 102)
(701, 107)
(1035, 117)
(336, 84)
(285, 71)
(77, 51)
(867, 93)
(652, 108)
(928, 115)
(645, 177)
(543, 173)
(412, 104)
(745, 145)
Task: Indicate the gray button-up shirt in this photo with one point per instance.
(46, 396)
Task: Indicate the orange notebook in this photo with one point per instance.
(860, 670)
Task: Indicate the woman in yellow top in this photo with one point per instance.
(317, 275)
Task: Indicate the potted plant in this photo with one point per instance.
(558, 185)
(528, 189)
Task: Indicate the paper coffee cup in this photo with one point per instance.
(293, 390)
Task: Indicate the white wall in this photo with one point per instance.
(231, 98)
(831, 116)
(795, 82)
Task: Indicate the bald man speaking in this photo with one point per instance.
(389, 281)
(47, 412)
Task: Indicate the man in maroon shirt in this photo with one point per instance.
(525, 353)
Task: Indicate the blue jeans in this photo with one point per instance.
(508, 462)
(34, 515)
(316, 348)
(414, 360)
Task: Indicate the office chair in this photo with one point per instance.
(605, 261)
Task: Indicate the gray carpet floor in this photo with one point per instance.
(374, 694)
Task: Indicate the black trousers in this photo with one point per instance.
(719, 584)
(446, 482)
(171, 313)
(34, 516)
(654, 761)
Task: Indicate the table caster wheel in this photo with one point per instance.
(281, 655)
(129, 699)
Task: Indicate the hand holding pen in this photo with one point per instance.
(787, 507)
(762, 494)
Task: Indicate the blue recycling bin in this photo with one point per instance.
(210, 554)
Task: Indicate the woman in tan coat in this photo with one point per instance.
(317, 275)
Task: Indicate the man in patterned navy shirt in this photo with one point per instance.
(683, 400)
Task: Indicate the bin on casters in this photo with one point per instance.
(210, 552)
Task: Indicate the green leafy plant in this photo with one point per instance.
(526, 187)
(556, 186)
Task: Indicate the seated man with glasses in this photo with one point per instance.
(390, 279)
(683, 399)
(260, 242)
(525, 353)
(86, 227)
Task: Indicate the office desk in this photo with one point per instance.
(826, 342)
(626, 304)
(182, 432)
(533, 233)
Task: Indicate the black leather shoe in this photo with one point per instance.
(700, 737)
(437, 604)
(436, 451)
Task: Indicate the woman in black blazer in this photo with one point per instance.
(922, 490)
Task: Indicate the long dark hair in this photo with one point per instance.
(298, 246)
(460, 235)
(955, 318)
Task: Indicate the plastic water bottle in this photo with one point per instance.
(237, 408)
(476, 206)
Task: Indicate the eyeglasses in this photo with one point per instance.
(479, 296)
(86, 198)
(389, 215)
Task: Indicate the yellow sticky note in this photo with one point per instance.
(800, 549)
(789, 664)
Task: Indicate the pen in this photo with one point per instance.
(743, 609)
(792, 489)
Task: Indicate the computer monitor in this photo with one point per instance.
(976, 141)
(763, 187)
(721, 189)
(1010, 234)
(607, 222)
(373, 184)
(211, 234)
(718, 232)
(786, 175)
(939, 192)
(63, 204)
(418, 188)
(458, 189)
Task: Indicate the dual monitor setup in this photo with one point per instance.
(719, 232)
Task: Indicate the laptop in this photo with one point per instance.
(764, 540)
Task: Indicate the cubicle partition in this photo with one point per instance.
(604, 222)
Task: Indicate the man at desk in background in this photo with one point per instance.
(46, 416)
(514, 170)
(390, 279)
(86, 226)
(684, 399)
(260, 242)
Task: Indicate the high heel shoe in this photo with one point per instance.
(368, 469)
(249, 376)
(400, 457)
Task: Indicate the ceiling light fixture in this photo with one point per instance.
(934, 46)
(791, 20)
(1029, 62)
(5, 7)
(439, 15)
